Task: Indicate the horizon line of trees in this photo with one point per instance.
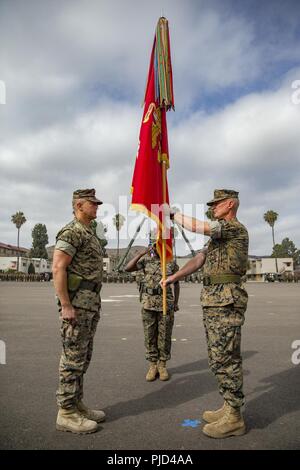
(40, 238)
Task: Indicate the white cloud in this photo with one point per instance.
(75, 75)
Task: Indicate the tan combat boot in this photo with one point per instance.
(94, 415)
(163, 372)
(152, 372)
(231, 424)
(71, 420)
(212, 416)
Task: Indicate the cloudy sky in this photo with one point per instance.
(74, 74)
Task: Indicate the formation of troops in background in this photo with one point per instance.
(124, 278)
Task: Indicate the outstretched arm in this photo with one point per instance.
(190, 267)
(192, 224)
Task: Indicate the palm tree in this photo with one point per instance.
(270, 217)
(118, 221)
(18, 219)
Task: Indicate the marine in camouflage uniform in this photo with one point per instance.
(157, 327)
(224, 302)
(79, 242)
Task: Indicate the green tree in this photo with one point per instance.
(18, 219)
(270, 217)
(39, 242)
(287, 249)
(31, 269)
(118, 221)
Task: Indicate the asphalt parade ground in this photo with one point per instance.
(142, 415)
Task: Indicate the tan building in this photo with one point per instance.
(11, 250)
(261, 266)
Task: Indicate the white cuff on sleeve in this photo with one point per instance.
(65, 247)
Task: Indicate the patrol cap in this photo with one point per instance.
(220, 194)
(88, 194)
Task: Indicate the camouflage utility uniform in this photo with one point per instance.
(84, 284)
(157, 327)
(224, 302)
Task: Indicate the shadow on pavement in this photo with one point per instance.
(280, 397)
(175, 392)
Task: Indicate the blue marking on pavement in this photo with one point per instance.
(192, 423)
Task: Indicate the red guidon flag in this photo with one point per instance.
(149, 184)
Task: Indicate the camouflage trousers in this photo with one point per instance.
(223, 334)
(158, 334)
(77, 342)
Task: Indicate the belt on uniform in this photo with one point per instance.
(154, 291)
(221, 279)
(90, 285)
